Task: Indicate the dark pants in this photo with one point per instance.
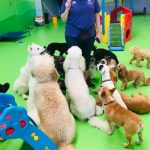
(85, 45)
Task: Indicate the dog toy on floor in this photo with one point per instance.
(139, 55)
(4, 87)
(136, 75)
(117, 114)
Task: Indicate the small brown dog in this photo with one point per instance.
(139, 55)
(115, 113)
(131, 75)
(138, 103)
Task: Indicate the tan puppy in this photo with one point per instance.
(138, 103)
(137, 76)
(117, 114)
(139, 55)
(55, 118)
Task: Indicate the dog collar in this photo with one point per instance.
(106, 80)
(44, 81)
(73, 68)
(109, 102)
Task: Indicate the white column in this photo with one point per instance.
(38, 6)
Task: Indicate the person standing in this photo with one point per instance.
(82, 24)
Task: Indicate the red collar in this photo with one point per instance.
(112, 101)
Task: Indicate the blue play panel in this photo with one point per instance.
(15, 123)
(13, 35)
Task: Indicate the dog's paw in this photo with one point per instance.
(25, 97)
(122, 89)
(126, 145)
(99, 110)
(110, 132)
(139, 65)
(137, 86)
(139, 141)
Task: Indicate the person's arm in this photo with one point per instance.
(97, 23)
(64, 15)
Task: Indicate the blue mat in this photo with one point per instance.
(13, 35)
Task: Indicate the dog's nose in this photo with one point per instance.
(100, 67)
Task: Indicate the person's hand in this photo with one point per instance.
(68, 4)
(98, 36)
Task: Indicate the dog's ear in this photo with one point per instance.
(66, 64)
(101, 92)
(32, 74)
(55, 74)
(82, 64)
(122, 72)
(112, 90)
(108, 59)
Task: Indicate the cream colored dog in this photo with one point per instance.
(55, 118)
(139, 55)
(82, 104)
(21, 84)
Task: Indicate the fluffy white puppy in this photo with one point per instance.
(82, 104)
(107, 82)
(55, 118)
(21, 83)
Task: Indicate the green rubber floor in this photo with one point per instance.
(13, 56)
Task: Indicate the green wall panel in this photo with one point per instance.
(16, 15)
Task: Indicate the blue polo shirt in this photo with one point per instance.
(81, 17)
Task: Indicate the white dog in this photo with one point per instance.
(82, 104)
(21, 84)
(55, 118)
(107, 82)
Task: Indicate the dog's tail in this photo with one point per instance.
(102, 125)
(146, 81)
(66, 147)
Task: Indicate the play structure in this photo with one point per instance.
(15, 123)
(116, 27)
